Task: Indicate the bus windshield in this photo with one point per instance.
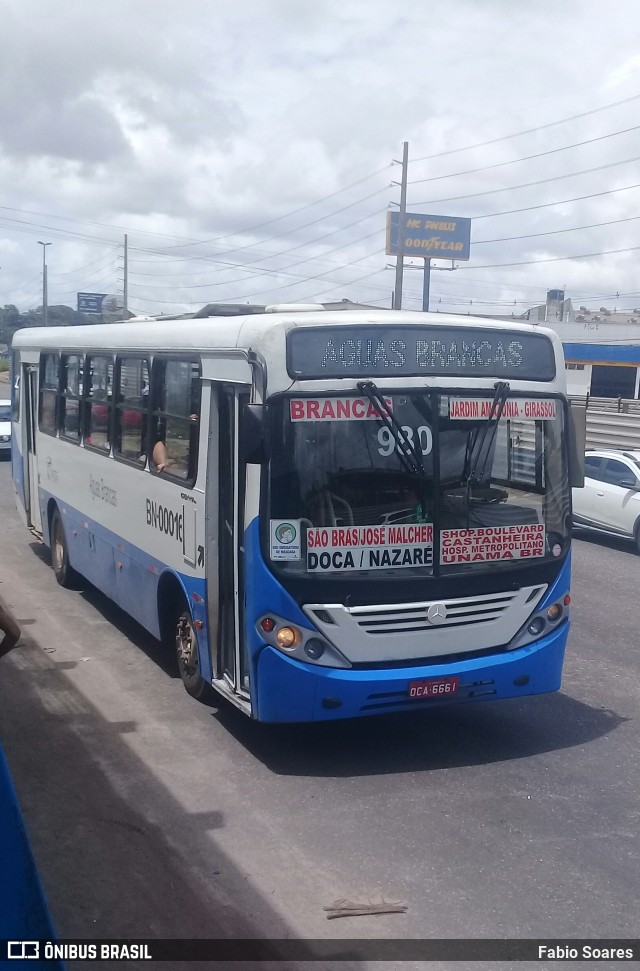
(443, 486)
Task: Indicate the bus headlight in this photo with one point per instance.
(299, 643)
(542, 623)
(288, 637)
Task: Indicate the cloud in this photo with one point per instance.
(242, 125)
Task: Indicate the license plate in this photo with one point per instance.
(433, 688)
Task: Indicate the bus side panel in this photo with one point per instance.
(127, 574)
(137, 585)
(121, 571)
(89, 549)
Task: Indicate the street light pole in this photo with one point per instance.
(45, 309)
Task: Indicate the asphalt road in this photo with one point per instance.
(153, 815)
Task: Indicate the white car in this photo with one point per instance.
(610, 499)
(5, 427)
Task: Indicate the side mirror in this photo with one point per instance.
(253, 435)
(629, 483)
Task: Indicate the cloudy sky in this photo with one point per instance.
(248, 149)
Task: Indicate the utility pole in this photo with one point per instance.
(45, 308)
(125, 314)
(397, 298)
(426, 283)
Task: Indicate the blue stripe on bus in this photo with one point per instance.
(17, 471)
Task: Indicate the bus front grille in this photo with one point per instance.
(379, 633)
(459, 612)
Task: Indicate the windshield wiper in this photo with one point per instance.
(479, 453)
(409, 455)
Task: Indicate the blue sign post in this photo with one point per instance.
(90, 303)
(429, 237)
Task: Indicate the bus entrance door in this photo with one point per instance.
(229, 665)
(31, 490)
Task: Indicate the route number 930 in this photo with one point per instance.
(421, 435)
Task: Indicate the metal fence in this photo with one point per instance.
(622, 406)
(613, 423)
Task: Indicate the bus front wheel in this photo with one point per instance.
(186, 645)
(64, 572)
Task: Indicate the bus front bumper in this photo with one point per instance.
(290, 691)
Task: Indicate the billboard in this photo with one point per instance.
(90, 303)
(432, 237)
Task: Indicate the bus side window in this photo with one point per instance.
(70, 395)
(175, 417)
(131, 416)
(49, 384)
(99, 402)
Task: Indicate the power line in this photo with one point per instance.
(297, 281)
(296, 229)
(87, 266)
(525, 158)
(282, 270)
(557, 259)
(271, 270)
(187, 240)
(527, 131)
(555, 232)
(295, 212)
(63, 234)
(349, 283)
(527, 185)
(560, 202)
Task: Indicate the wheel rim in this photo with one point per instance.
(58, 545)
(187, 650)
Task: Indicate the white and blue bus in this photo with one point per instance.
(326, 513)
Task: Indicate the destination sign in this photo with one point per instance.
(377, 350)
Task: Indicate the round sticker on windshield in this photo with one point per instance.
(286, 533)
(557, 550)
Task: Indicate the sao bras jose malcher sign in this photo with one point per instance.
(432, 237)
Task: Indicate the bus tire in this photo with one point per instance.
(186, 648)
(64, 572)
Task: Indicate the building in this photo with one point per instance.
(601, 347)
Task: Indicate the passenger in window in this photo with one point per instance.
(171, 449)
(159, 456)
(159, 450)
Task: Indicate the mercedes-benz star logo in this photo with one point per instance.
(437, 613)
